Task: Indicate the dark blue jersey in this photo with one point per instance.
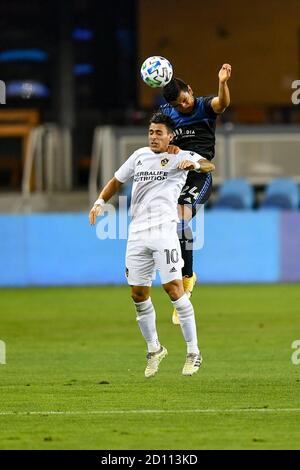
(195, 131)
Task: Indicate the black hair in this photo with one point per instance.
(160, 118)
(173, 89)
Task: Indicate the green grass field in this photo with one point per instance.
(75, 364)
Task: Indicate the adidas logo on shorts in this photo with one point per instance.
(173, 270)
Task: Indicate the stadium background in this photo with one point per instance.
(75, 108)
(71, 79)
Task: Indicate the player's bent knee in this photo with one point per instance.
(174, 289)
(139, 294)
(137, 298)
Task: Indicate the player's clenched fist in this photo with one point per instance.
(225, 73)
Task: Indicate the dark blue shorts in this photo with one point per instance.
(197, 190)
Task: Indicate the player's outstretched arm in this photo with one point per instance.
(112, 187)
(202, 166)
(222, 101)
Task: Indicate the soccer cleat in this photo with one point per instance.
(188, 286)
(154, 360)
(192, 364)
(189, 283)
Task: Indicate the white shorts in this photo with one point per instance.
(151, 250)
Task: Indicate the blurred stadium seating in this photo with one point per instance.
(282, 193)
(235, 194)
(248, 159)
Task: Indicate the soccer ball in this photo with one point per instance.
(156, 71)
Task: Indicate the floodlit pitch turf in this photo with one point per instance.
(79, 350)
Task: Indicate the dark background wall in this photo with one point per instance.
(259, 38)
(89, 53)
(89, 49)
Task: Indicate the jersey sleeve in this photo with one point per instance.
(126, 171)
(165, 109)
(206, 103)
(188, 155)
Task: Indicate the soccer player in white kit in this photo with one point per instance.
(158, 178)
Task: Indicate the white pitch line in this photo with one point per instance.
(120, 412)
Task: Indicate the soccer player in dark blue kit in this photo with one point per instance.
(195, 123)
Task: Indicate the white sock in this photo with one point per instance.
(187, 322)
(146, 318)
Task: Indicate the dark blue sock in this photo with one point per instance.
(185, 236)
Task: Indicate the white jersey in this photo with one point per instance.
(157, 184)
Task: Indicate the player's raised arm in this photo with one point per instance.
(109, 190)
(222, 101)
